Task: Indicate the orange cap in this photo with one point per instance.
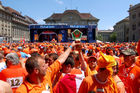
(33, 50)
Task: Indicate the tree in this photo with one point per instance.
(99, 37)
(113, 37)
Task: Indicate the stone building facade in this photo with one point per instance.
(105, 34)
(134, 17)
(122, 30)
(14, 26)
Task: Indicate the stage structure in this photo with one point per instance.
(62, 33)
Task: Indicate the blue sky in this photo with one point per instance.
(108, 11)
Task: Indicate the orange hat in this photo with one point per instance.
(138, 48)
(26, 50)
(106, 61)
(33, 50)
(6, 51)
(98, 48)
(90, 47)
(92, 57)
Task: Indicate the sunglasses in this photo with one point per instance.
(102, 69)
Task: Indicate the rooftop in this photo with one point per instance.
(58, 16)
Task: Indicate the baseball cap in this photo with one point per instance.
(128, 52)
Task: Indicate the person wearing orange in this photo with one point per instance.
(23, 55)
(90, 68)
(134, 74)
(6, 50)
(14, 74)
(101, 82)
(52, 57)
(41, 50)
(120, 84)
(40, 75)
(76, 59)
(67, 68)
(92, 65)
(129, 72)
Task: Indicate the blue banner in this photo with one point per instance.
(60, 26)
(64, 35)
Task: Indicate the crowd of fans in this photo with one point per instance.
(70, 67)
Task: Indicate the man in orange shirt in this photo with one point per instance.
(134, 75)
(90, 68)
(39, 77)
(120, 85)
(14, 74)
(102, 81)
(129, 71)
(51, 58)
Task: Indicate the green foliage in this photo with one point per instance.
(99, 37)
(113, 37)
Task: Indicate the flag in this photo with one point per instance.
(70, 83)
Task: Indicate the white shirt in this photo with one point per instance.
(2, 66)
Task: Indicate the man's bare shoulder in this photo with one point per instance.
(5, 87)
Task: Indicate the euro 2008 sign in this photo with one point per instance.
(76, 35)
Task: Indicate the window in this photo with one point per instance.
(133, 37)
(139, 24)
(70, 17)
(134, 27)
(139, 14)
(133, 16)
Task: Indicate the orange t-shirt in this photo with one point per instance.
(14, 75)
(134, 80)
(88, 72)
(46, 84)
(120, 85)
(91, 85)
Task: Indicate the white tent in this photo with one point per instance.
(98, 41)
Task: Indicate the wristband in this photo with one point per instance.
(70, 46)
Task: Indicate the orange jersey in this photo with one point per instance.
(14, 75)
(88, 72)
(134, 80)
(120, 85)
(46, 84)
(91, 85)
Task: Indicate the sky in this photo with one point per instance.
(108, 11)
